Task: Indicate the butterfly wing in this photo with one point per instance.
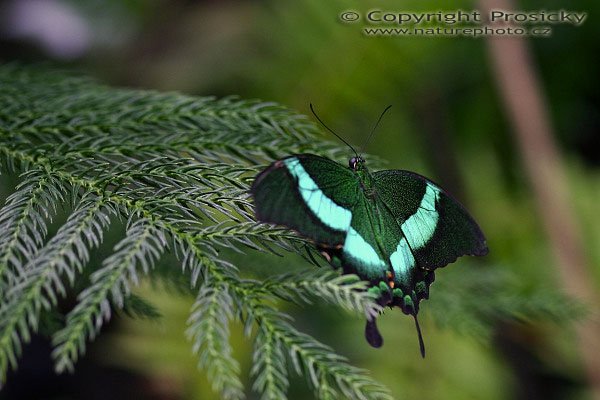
(364, 247)
(436, 227)
(323, 201)
(310, 194)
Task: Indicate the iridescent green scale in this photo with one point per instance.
(392, 228)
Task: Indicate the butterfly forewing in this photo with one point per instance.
(324, 201)
(310, 194)
(437, 228)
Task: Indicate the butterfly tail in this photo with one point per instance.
(421, 343)
(372, 333)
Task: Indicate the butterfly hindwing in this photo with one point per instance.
(436, 227)
(364, 252)
(310, 194)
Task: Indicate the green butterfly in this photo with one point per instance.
(392, 228)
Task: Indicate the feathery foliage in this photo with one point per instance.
(209, 330)
(177, 169)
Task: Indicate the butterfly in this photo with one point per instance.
(392, 228)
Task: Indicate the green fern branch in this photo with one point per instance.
(142, 246)
(41, 282)
(182, 167)
(177, 169)
(209, 331)
(23, 222)
(269, 366)
(507, 299)
(347, 291)
(310, 358)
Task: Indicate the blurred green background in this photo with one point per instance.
(447, 122)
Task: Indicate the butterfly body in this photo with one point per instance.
(392, 228)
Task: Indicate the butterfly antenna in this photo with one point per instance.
(329, 129)
(421, 343)
(363, 148)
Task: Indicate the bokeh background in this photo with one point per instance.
(450, 120)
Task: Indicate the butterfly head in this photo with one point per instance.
(356, 163)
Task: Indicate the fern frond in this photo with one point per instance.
(314, 360)
(209, 332)
(269, 368)
(310, 358)
(42, 278)
(249, 234)
(23, 222)
(347, 291)
(142, 246)
(176, 168)
(458, 305)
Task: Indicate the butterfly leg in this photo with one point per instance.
(331, 254)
